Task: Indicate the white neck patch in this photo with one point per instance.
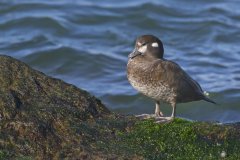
(142, 49)
(155, 44)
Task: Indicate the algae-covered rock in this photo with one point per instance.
(38, 114)
(179, 139)
(46, 118)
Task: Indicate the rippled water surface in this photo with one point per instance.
(86, 43)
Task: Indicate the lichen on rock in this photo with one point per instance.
(38, 113)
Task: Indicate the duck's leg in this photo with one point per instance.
(173, 110)
(158, 113)
(168, 119)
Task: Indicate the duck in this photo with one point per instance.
(160, 79)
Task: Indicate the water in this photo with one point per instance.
(86, 43)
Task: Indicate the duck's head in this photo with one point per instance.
(148, 46)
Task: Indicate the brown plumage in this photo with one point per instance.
(158, 78)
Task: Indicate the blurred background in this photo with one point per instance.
(86, 43)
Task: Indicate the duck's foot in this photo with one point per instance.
(158, 119)
(163, 119)
(145, 116)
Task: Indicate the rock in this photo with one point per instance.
(38, 114)
(46, 118)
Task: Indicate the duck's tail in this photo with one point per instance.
(204, 97)
(208, 100)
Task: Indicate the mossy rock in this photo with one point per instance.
(38, 114)
(45, 118)
(180, 139)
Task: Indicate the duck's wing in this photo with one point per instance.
(176, 78)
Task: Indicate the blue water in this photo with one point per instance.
(86, 43)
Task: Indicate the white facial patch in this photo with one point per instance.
(142, 49)
(155, 44)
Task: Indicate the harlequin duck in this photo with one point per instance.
(158, 78)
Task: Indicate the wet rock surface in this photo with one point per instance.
(43, 117)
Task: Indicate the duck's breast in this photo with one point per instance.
(143, 78)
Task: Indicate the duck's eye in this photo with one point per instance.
(155, 44)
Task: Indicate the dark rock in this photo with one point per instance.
(38, 114)
(46, 118)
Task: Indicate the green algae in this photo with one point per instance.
(180, 139)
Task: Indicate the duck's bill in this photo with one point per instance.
(134, 54)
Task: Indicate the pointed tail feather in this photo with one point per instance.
(208, 100)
